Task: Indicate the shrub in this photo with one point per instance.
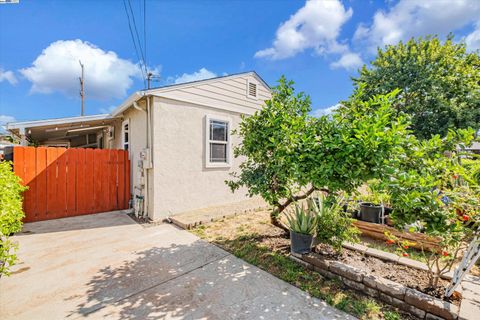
(334, 225)
(11, 214)
(431, 189)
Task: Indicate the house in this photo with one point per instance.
(178, 138)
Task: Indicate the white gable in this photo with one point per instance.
(242, 93)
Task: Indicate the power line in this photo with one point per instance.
(144, 76)
(138, 37)
(145, 29)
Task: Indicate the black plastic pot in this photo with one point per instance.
(370, 212)
(300, 243)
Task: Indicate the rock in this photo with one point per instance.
(325, 273)
(300, 261)
(382, 255)
(415, 311)
(355, 246)
(347, 271)
(431, 304)
(392, 301)
(386, 286)
(354, 285)
(316, 260)
(430, 316)
(413, 263)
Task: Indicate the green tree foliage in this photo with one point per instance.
(289, 154)
(432, 190)
(439, 82)
(11, 214)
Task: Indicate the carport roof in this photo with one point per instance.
(58, 121)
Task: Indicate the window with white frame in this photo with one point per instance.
(218, 142)
(125, 135)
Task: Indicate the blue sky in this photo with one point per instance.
(318, 44)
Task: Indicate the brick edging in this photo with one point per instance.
(413, 301)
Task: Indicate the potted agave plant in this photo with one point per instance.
(302, 223)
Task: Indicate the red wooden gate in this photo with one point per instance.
(69, 182)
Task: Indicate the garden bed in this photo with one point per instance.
(408, 276)
(421, 305)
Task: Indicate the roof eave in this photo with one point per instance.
(127, 103)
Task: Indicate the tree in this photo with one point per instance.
(433, 192)
(11, 214)
(290, 154)
(439, 82)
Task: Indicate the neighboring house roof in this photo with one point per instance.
(57, 121)
(139, 94)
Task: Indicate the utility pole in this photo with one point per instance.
(82, 89)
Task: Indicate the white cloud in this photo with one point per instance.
(473, 39)
(349, 61)
(4, 119)
(201, 74)
(7, 76)
(413, 18)
(57, 69)
(325, 111)
(315, 26)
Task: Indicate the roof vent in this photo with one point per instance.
(252, 89)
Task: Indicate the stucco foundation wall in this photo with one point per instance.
(181, 180)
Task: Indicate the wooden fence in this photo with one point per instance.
(69, 182)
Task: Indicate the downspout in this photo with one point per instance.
(149, 156)
(145, 172)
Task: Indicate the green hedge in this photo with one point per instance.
(11, 214)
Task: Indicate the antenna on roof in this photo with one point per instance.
(82, 89)
(150, 77)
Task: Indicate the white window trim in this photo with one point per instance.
(248, 89)
(129, 135)
(209, 164)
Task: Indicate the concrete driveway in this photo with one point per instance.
(108, 266)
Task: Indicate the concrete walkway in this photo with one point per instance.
(107, 266)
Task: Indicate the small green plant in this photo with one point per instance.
(334, 225)
(11, 214)
(301, 220)
(375, 193)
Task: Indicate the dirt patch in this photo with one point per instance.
(409, 277)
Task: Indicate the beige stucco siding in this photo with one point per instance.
(182, 181)
(138, 141)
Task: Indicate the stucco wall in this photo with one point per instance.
(182, 182)
(138, 141)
